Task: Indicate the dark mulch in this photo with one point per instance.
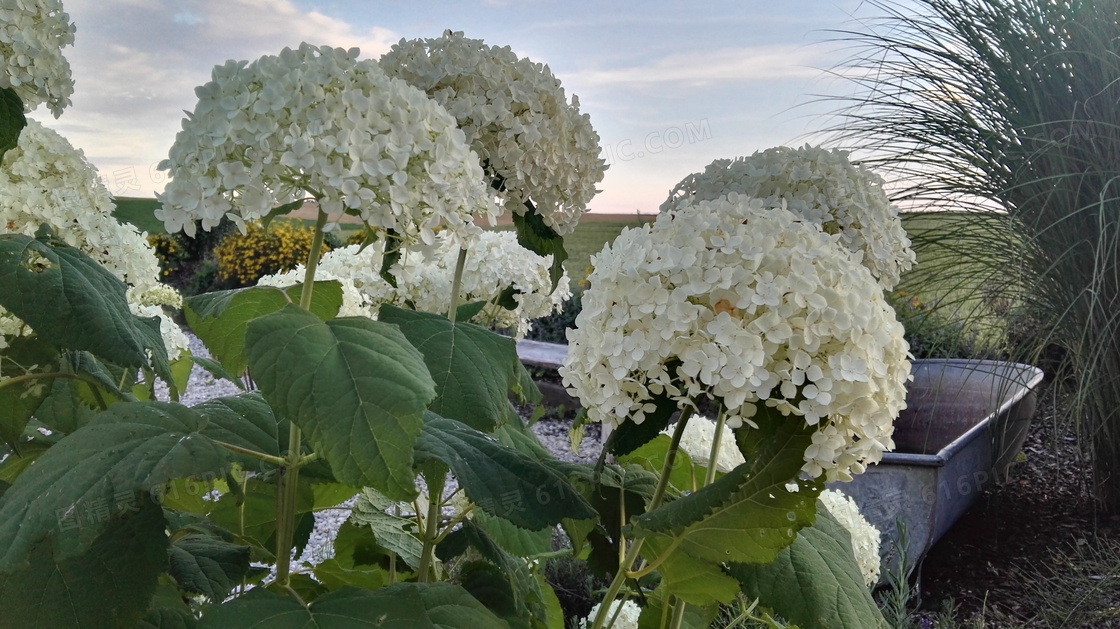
(1001, 561)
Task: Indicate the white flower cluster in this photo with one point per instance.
(318, 121)
(699, 433)
(494, 262)
(865, 537)
(46, 180)
(750, 305)
(32, 36)
(627, 616)
(515, 116)
(818, 185)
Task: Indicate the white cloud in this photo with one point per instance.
(758, 63)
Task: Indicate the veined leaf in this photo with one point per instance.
(12, 119)
(499, 479)
(108, 585)
(746, 516)
(474, 369)
(207, 565)
(534, 235)
(815, 582)
(411, 605)
(252, 516)
(50, 285)
(524, 592)
(221, 318)
(107, 469)
(168, 611)
(393, 533)
(356, 387)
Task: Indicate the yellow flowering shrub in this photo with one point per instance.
(168, 252)
(244, 258)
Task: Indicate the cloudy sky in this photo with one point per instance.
(670, 86)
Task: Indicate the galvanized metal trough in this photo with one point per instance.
(964, 424)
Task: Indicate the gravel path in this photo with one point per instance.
(202, 386)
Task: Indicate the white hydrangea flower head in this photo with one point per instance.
(317, 121)
(819, 185)
(494, 262)
(363, 289)
(627, 616)
(515, 115)
(32, 36)
(699, 433)
(46, 180)
(865, 537)
(749, 305)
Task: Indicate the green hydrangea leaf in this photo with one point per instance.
(107, 586)
(356, 387)
(50, 285)
(746, 516)
(106, 469)
(500, 480)
(514, 539)
(12, 119)
(207, 565)
(815, 582)
(168, 611)
(215, 368)
(221, 318)
(252, 516)
(474, 369)
(335, 576)
(393, 533)
(517, 587)
(536, 236)
(411, 605)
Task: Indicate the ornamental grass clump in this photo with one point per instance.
(818, 185)
(1006, 113)
(753, 308)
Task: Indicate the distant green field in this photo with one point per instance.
(587, 240)
(138, 212)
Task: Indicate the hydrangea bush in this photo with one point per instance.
(358, 391)
(534, 144)
(818, 185)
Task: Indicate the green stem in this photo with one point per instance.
(431, 527)
(667, 467)
(713, 457)
(287, 491)
(678, 615)
(655, 502)
(312, 261)
(457, 284)
(288, 485)
(260, 456)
